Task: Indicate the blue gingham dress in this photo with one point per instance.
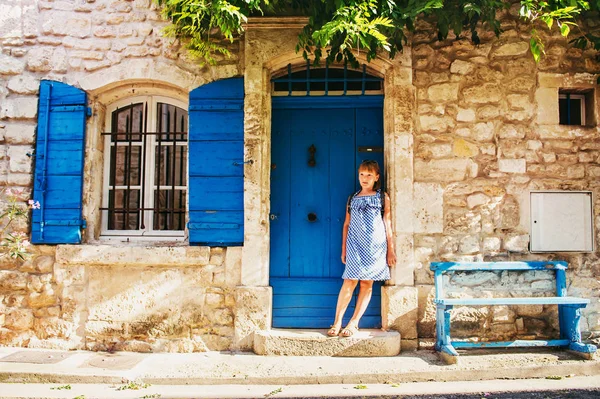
(366, 243)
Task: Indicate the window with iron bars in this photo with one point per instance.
(145, 169)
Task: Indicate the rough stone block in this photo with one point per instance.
(491, 244)
(364, 343)
(44, 264)
(462, 67)
(252, 314)
(435, 150)
(517, 243)
(547, 105)
(53, 327)
(114, 255)
(458, 221)
(214, 300)
(503, 314)
(65, 23)
(443, 93)
(428, 208)
(10, 65)
(511, 50)
(521, 84)
(469, 322)
(431, 123)
(466, 115)
(399, 310)
(12, 281)
(24, 84)
(233, 266)
(19, 319)
(464, 149)
(40, 59)
(474, 279)
(19, 108)
(512, 132)
(95, 329)
(20, 133)
(477, 199)
(42, 299)
(445, 169)
(21, 159)
(529, 310)
(512, 165)
(483, 94)
(427, 311)
(484, 131)
(469, 245)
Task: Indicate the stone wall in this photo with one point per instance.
(100, 297)
(487, 135)
(469, 132)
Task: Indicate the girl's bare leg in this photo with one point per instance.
(364, 297)
(344, 298)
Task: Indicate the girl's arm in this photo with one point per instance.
(387, 221)
(345, 235)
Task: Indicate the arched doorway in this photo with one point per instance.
(325, 122)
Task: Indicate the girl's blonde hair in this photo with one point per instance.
(372, 166)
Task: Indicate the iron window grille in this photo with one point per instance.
(145, 189)
(326, 82)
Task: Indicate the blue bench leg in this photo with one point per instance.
(443, 343)
(569, 317)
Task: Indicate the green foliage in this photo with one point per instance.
(134, 385)
(273, 392)
(62, 387)
(14, 243)
(338, 30)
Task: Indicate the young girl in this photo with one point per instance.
(367, 247)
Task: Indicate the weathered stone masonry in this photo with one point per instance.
(489, 135)
(469, 132)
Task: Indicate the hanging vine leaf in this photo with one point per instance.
(337, 30)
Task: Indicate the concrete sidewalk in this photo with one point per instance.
(18, 365)
(574, 387)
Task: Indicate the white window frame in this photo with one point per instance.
(147, 234)
(581, 98)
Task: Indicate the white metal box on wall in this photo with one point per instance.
(562, 221)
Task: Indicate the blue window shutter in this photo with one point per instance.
(216, 168)
(58, 176)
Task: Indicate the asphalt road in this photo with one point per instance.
(567, 394)
(576, 387)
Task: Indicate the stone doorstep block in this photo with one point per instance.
(364, 343)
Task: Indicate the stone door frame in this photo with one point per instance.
(269, 47)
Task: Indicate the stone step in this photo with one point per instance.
(364, 343)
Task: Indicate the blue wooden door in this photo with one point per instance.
(317, 146)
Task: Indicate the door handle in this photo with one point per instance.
(273, 216)
(311, 151)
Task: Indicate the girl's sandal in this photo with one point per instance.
(334, 331)
(349, 331)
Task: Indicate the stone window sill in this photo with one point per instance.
(142, 254)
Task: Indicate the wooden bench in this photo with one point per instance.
(569, 308)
